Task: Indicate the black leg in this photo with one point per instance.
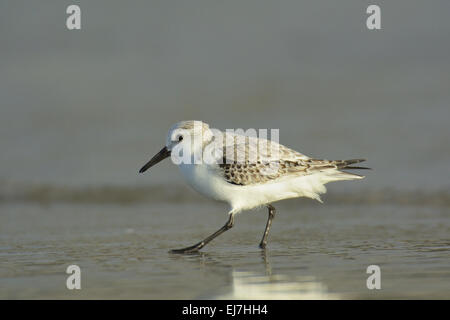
(203, 243)
(263, 242)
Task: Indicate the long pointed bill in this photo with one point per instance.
(161, 155)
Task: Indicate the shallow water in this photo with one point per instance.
(315, 251)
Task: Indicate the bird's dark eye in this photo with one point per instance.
(180, 138)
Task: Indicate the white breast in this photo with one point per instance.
(204, 181)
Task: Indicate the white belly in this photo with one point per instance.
(207, 182)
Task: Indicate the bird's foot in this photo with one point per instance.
(192, 249)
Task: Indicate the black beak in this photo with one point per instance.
(161, 155)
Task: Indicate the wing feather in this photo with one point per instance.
(246, 163)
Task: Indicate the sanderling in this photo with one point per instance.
(254, 172)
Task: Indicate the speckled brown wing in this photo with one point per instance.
(248, 173)
(261, 172)
(254, 160)
(251, 161)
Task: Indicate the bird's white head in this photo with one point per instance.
(188, 136)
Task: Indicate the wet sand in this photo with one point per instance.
(318, 251)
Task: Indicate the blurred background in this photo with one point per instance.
(81, 111)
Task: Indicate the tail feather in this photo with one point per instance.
(346, 164)
(342, 165)
(359, 168)
(327, 171)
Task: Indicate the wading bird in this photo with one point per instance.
(246, 172)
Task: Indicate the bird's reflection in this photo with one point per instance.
(265, 258)
(258, 285)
